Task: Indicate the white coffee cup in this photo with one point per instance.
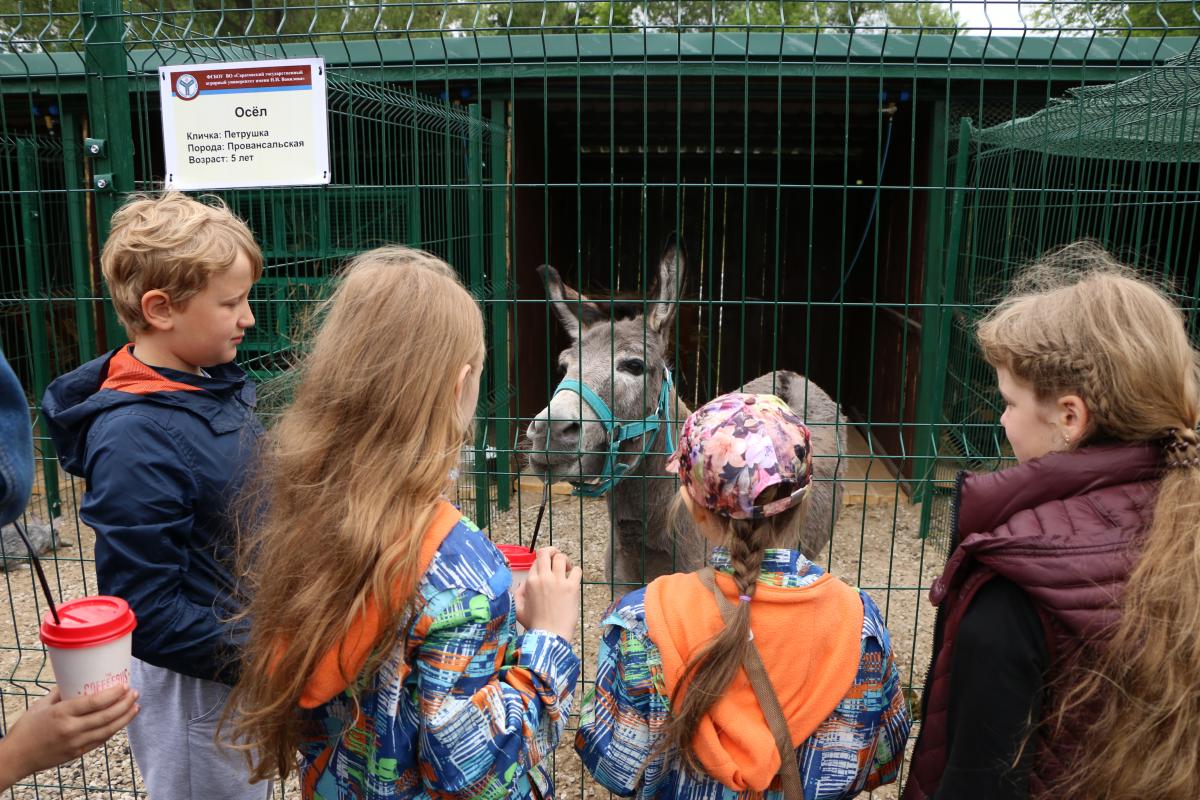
(520, 561)
(90, 646)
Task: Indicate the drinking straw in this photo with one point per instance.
(37, 566)
(537, 526)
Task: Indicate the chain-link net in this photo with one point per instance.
(1154, 116)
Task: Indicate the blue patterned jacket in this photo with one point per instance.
(464, 707)
(859, 747)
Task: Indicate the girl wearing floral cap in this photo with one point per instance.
(762, 675)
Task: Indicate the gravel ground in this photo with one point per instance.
(874, 547)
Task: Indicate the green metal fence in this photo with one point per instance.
(847, 179)
(1117, 163)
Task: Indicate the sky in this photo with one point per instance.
(1000, 13)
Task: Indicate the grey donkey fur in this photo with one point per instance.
(621, 356)
(43, 536)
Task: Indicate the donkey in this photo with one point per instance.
(616, 416)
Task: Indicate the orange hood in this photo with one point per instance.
(810, 642)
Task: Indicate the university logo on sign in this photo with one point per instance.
(186, 86)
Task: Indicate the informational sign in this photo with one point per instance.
(246, 123)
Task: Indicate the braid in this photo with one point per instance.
(1080, 323)
(747, 547)
(1053, 368)
(710, 671)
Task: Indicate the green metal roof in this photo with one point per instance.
(407, 57)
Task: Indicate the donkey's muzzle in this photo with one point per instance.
(554, 437)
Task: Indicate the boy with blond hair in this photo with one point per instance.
(163, 431)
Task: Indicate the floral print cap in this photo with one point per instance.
(734, 447)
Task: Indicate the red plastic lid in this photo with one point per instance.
(87, 622)
(518, 557)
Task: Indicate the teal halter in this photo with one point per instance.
(614, 471)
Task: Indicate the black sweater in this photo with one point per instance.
(996, 689)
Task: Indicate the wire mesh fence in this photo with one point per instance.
(1115, 163)
(850, 184)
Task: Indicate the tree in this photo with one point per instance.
(196, 22)
(1138, 18)
(467, 17)
(702, 15)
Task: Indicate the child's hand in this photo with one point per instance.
(519, 593)
(549, 598)
(519, 599)
(53, 731)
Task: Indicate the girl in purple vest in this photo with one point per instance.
(1067, 643)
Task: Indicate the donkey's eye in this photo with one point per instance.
(633, 366)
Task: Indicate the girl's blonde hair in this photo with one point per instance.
(352, 472)
(1079, 322)
(710, 670)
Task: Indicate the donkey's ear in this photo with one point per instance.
(670, 286)
(573, 309)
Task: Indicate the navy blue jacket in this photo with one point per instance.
(164, 454)
(16, 446)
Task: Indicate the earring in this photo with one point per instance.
(1067, 439)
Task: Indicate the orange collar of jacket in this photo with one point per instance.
(127, 374)
(342, 663)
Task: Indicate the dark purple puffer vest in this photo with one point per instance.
(1066, 529)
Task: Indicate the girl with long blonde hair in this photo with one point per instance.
(1067, 647)
(383, 649)
(763, 676)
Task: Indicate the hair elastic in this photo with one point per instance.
(745, 598)
(1183, 450)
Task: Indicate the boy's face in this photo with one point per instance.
(210, 326)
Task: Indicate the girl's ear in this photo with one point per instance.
(1074, 418)
(705, 522)
(461, 384)
(694, 511)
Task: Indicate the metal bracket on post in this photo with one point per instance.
(97, 148)
(104, 182)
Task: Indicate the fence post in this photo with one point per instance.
(475, 271)
(412, 224)
(38, 303)
(110, 119)
(499, 292)
(81, 259)
(928, 406)
(935, 356)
